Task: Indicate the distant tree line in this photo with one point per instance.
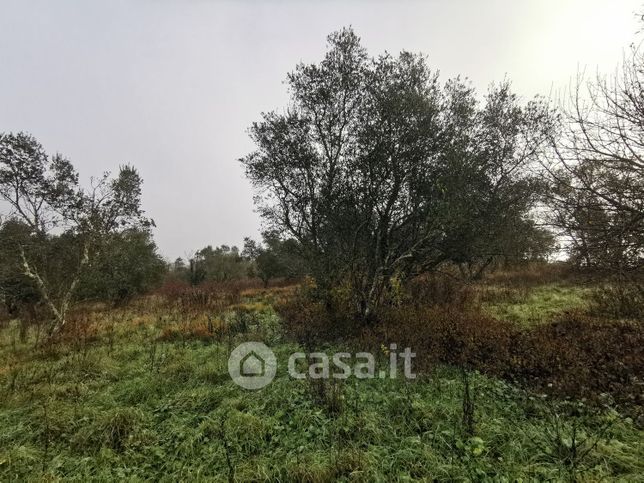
(271, 259)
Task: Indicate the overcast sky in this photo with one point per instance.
(172, 86)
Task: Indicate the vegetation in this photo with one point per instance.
(277, 258)
(378, 171)
(597, 170)
(44, 195)
(533, 306)
(120, 398)
(401, 212)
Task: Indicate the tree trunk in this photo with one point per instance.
(59, 312)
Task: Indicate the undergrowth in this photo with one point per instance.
(145, 394)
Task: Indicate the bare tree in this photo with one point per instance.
(598, 168)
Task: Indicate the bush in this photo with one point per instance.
(309, 320)
(620, 300)
(446, 334)
(206, 296)
(577, 356)
(187, 331)
(439, 289)
(582, 357)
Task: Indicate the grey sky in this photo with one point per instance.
(171, 86)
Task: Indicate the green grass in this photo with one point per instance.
(537, 305)
(168, 411)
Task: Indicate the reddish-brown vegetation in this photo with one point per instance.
(576, 355)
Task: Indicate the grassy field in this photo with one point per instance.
(135, 398)
(530, 306)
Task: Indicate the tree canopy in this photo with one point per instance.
(377, 170)
(56, 228)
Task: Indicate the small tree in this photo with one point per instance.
(127, 265)
(16, 290)
(217, 264)
(43, 193)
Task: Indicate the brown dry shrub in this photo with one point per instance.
(207, 328)
(445, 334)
(619, 300)
(311, 320)
(79, 331)
(439, 289)
(172, 289)
(185, 332)
(576, 356)
(580, 356)
(210, 296)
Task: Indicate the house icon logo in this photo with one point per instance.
(252, 365)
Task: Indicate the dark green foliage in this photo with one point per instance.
(126, 265)
(218, 264)
(378, 172)
(276, 258)
(17, 292)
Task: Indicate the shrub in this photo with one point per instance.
(576, 356)
(211, 296)
(172, 289)
(188, 331)
(620, 300)
(446, 334)
(579, 356)
(439, 289)
(304, 319)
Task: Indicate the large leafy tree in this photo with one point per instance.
(487, 188)
(375, 169)
(67, 224)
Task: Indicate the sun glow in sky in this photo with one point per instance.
(171, 86)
